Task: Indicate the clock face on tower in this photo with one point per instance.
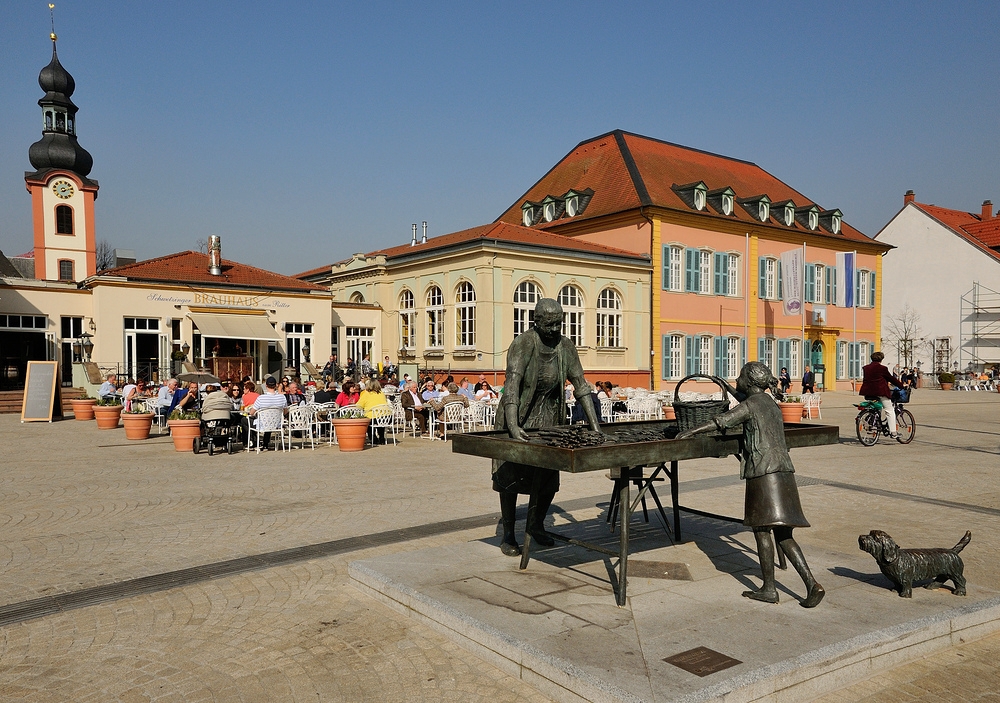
(63, 189)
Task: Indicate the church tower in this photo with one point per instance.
(62, 197)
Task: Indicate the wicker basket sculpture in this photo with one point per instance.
(695, 413)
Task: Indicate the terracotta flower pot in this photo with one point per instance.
(83, 408)
(791, 412)
(137, 425)
(183, 432)
(107, 416)
(947, 386)
(668, 412)
(351, 432)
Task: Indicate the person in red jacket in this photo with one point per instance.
(875, 386)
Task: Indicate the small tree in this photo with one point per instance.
(903, 330)
(105, 255)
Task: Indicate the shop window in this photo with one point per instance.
(571, 301)
(609, 319)
(465, 315)
(435, 318)
(526, 296)
(407, 316)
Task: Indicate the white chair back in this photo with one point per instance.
(269, 419)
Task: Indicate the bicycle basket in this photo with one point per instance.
(694, 413)
(901, 395)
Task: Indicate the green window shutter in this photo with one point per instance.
(690, 270)
(760, 350)
(720, 274)
(831, 285)
(665, 366)
(743, 352)
(762, 282)
(784, 354)
(781, 294)
(810, 283)
(720, 357)
(871, 291)
(665, 268)
(689, 356)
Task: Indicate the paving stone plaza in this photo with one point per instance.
(134, 573)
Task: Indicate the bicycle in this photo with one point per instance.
(869, 423)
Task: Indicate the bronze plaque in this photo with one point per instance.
(659, 570)
(702, 661)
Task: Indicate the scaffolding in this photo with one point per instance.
(980, 329)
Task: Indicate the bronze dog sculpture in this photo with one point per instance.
(905, 566)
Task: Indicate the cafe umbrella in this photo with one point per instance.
(199, 377)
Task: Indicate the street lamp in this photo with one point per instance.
(185, 348)
(87, 344)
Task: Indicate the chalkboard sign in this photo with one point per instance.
(41, 392)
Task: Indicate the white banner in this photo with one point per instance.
(845, 280)
(791, 281)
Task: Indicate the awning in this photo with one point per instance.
(234, 326)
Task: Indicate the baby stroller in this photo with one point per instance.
(216, 434)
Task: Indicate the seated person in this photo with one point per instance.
(580, 416)
(414, 407)
(270, 398)
(109, 387)
(136, 393)
(429, 392)
(450, 396)
(372, 398)
(294, 395)
(348, 394)
(250, 394)
(327, 395)
(190, 401)
(483, 389)
(465, 390)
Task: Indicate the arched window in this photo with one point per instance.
(525, 298)
(407, 332)
(435, 317)
(465, 315)
(64, 219)
(572, 304)
(609, 319)
(357, 297)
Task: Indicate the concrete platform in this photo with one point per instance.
(556, 625)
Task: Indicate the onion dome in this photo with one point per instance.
(58, 148)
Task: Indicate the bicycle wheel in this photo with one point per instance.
(867, 426)
(906, 426)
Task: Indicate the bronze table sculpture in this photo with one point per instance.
(772, 498)
(538, 364)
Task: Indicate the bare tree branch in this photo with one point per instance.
(105, 255)
(903, 330)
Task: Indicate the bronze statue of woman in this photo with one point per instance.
(772, 498)
(538, 364)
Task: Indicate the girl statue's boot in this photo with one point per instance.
(508, 507)
(536, 520)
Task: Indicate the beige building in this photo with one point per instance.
(453, 303)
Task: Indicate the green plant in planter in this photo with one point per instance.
(792, 399)
(178, 355)
(352, 414)
(137, 409)
(85, 396)
(184, 415)
(946, 377)
(109, 401)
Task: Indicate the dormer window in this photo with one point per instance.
(722, 199)
(572, 206)
(807, 216)
(552, 208)
(530, 213)
(784, 211)
(759, 207)
(831, 219)
(694, 195)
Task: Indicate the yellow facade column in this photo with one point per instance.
(656, 339)
(754, 300)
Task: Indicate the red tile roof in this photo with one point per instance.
(192, 267)
(970, 226)
(628, 171)
(511, 233)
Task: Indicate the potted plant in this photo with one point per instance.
(83, 407)
(137, 422)
(108, 412)
(791, 408)
(184, 427)
(947, 380)
(351, 428)
(668, 410)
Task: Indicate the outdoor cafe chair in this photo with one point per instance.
(268, 420)
(453, 415)
(382, 416)
(299, 419)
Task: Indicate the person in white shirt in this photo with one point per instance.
(109, 387)
(270, 398)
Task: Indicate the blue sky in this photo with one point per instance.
(302, 132)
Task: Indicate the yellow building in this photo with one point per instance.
(452, 304)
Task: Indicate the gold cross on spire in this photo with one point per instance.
(52, 19)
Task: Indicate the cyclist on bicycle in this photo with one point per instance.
(875, 386)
